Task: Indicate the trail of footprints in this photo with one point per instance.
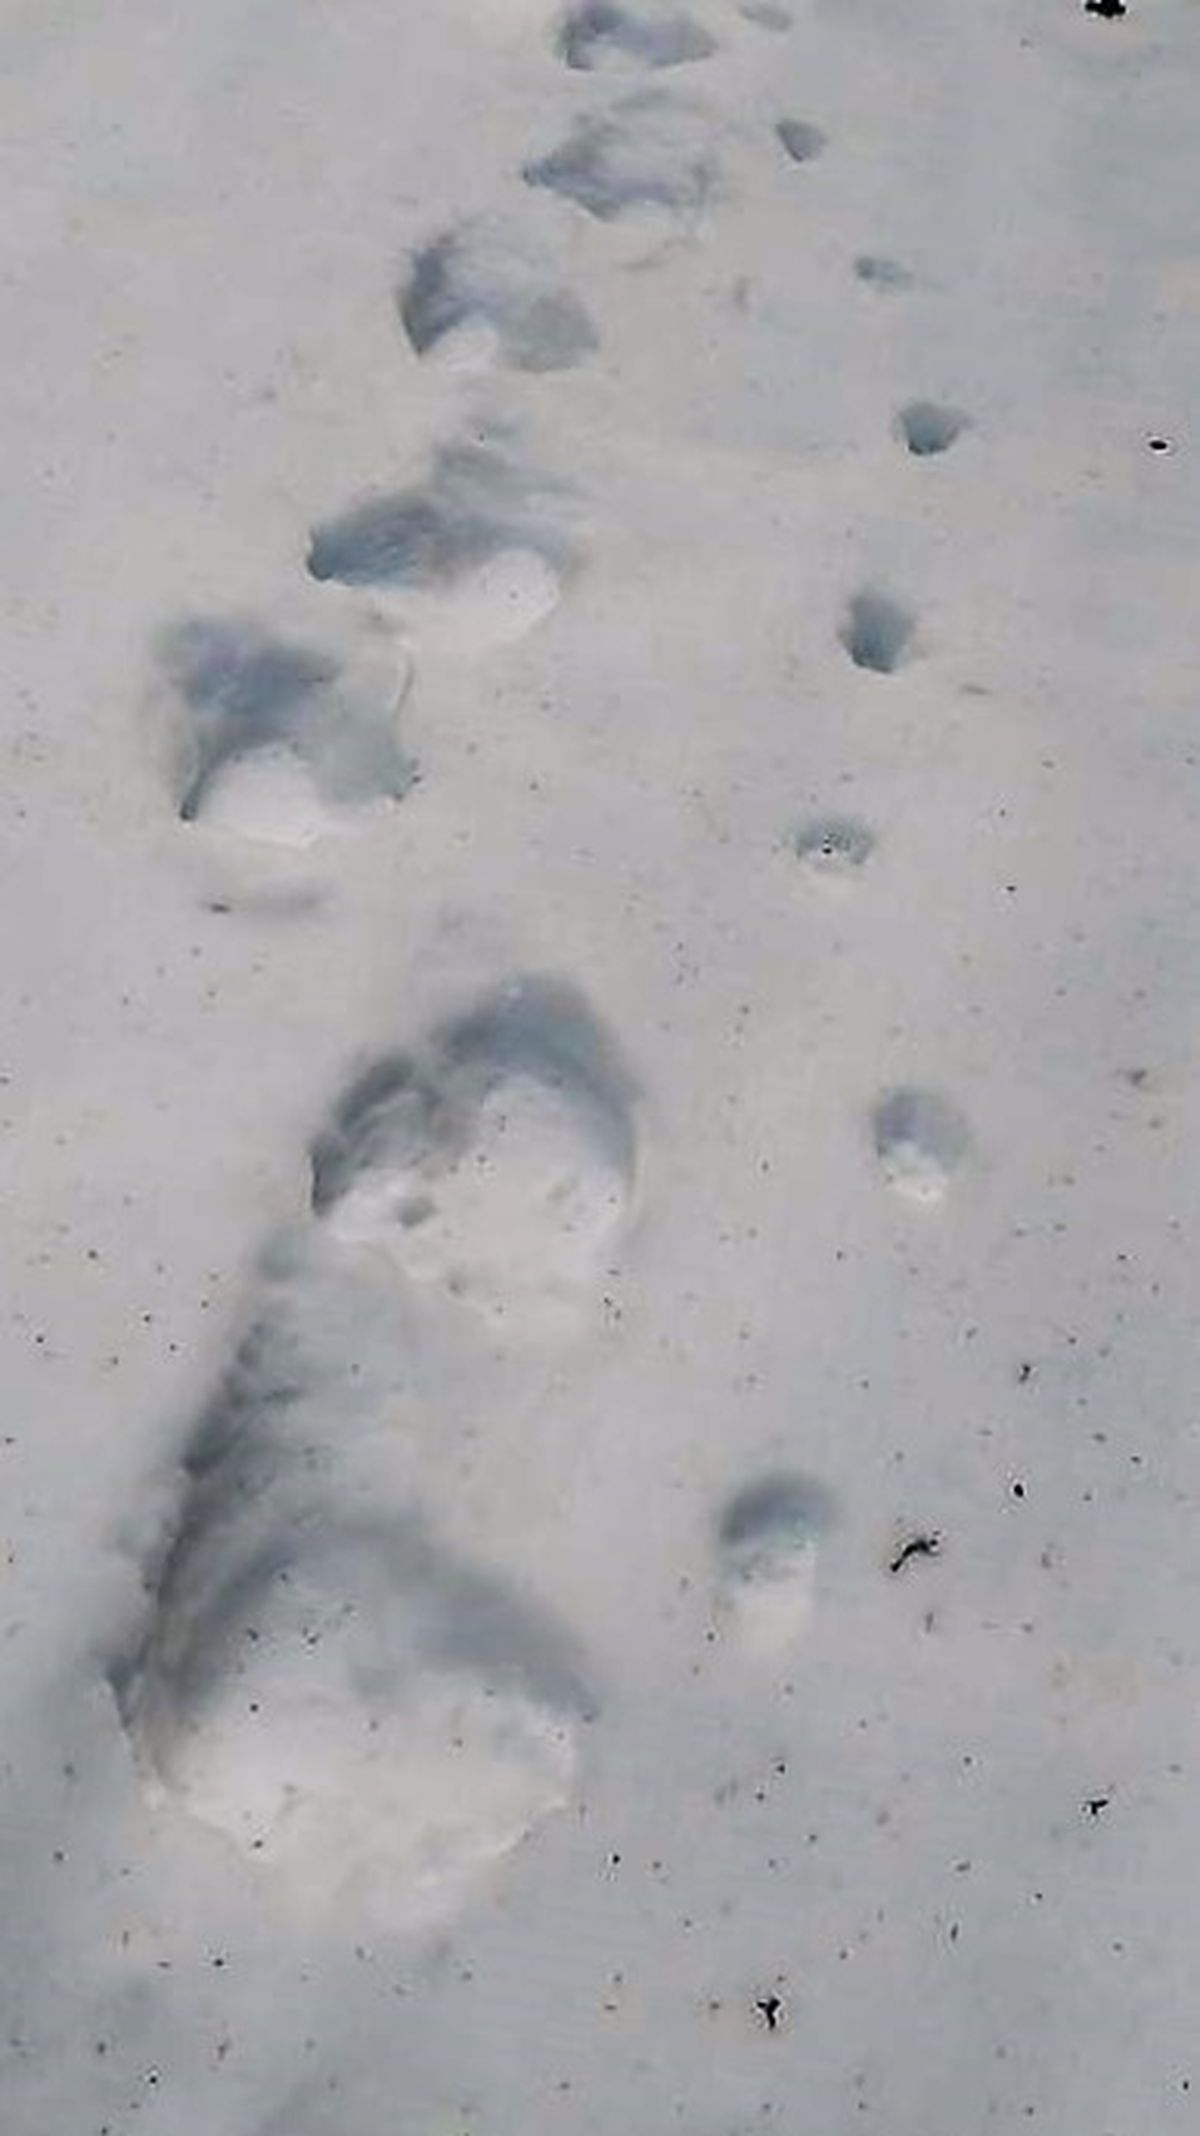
(315, 1677)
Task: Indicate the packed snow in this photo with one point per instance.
(599, 1067)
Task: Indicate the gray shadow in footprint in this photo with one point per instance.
(600, 34)
(418, 1109)
(241, 693)
(474, 505)
(649, 152)
(766, 15)
(833, 849)
(928, 427)
(877, 632)
(493, 1165)
(478, 276)
(885, 275)
(921, 1140)
(773, 1515)
(313, 1674)
(800, 141)
(767, 1540)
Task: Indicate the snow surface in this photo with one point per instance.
(598, 1050)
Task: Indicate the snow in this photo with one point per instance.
(597, 1065)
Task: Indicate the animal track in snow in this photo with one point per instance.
(649, 153)
(800, 140)
(766, 15)
(599, 34)
(480, 290)
(474, 549)
(833, 850)
(496, 1164)
(927, 428)
(921, 1140)
(881, 273)
(767, 1537)
(877, 632)
(367, 1719)
(274, 740)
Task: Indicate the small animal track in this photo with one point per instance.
(799, 140)
(496, 1164)
(766, 15)
(598, 34)
(881, 273)
(833, 850)
(767, 1536)
(649, 153)
(480, 284)
(927, 428)
(479, 530)
(362, 1715)
(274, 740)
(877, 632)
(921, 1140)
